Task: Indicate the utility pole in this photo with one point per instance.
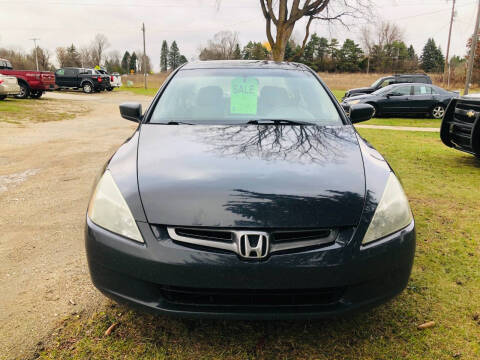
(447, 63)
(473, 49)
(145, 57)
(36, 52)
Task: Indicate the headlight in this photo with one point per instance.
(393, 212)
(109, 210)
(353, 102)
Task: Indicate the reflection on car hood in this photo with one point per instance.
(359, 97)
(251, 175)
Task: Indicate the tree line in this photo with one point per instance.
(382, 50)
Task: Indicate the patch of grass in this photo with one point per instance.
(21, 111)
(139, 91)
(442, 185)
(338, 94)
(422, 122)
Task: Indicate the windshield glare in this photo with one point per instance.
(234, 96)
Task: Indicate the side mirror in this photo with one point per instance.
(361, 112)
(131, 111)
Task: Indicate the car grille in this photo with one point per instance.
(462, 126)
(251, 298)
(227, 239)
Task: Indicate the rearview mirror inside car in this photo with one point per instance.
(131, 111)
(361, 112)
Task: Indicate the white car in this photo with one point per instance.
(8, 86)
(115, 79)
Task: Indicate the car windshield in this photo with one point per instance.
(383, 90)
(378, 82)
(234, 96)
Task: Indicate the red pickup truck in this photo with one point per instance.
(32, 83)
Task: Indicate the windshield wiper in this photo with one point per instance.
(177, 123)
(278, 122)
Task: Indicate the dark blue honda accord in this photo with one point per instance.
(245, 192)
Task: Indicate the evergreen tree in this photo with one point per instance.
(288, 51)
(73, 57)
(349, 56)
(333, 49)
(182, 60)
(173, 56)
(432, 58)
(440, 59)
(125, 62)
(411, 53)
(311, 49)
(164, 57)
(237, 54)
(133, 63)
(247, 51)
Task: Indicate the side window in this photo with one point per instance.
(60, 72)
(402, 90)
(433, 90)
(3, 64)
(421, 90)
(69, 72)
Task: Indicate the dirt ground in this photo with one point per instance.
(46, 174)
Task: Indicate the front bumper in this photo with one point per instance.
(9, 89)
(164, 277)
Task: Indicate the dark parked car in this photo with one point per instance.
(390, 80)
(406, 99)
(460, 125)
(89, 80)
(245, 192)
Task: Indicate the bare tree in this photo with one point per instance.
(61, 56)
(387, 33)
(284, 19)
(86, 56)
(98, 47)
(222, 47)
(43, 58)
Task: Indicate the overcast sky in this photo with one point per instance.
(192, 22)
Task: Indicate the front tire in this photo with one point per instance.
(24, 91)
(438, 111)
(87, 88)
(36, 94)
(3, 97)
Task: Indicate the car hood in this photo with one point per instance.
(250, 175)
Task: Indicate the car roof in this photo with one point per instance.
(409, 75)
(243, 64)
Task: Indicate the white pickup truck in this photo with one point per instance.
(115, 79)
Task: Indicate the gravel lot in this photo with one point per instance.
(46, 174)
